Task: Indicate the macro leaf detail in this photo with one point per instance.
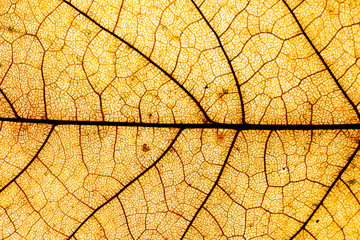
(185, 119)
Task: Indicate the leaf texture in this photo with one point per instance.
(185, 119)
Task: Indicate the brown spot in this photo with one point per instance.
(145, 148)
(88, 33)
(24, 127)
(221, 137)
(352, 182)
(204, 120)
(10, 29)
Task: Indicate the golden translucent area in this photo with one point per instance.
(333, 27)
(184, 119)
(5, 109)
(161, 203)
(339, 216)
(282, 79)
(85, 73)
(77, 171)
(253, 199)
(174, 35)
(75, 174)
(19, 144)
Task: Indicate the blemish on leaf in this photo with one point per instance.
(88, 33)
(145, 148)
(220, 137)
(78, 58)
(103, 132)
(204, 120)
(10, 29)
(24, 127)
(224, 91)
(163, 27)
(352, 181)
(314, 204)
(317, 221)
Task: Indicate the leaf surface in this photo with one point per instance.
(179, 120)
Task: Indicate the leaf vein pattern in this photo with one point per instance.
(323, 61)
(144, 56)
(128, 184)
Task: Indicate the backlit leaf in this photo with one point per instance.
(185, 119)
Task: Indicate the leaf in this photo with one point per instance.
(179, 120)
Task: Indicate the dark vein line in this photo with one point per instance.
(32, 160)
(239, 127)
(144, 56)
(216, 221)
(227, 59)
(213, 187)
(43, 77)
(350, 190)
(127, 185)
(323, 61)
(328, 191)
(265, 150)
(10, 104)
(126, 217)
(310, 234)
